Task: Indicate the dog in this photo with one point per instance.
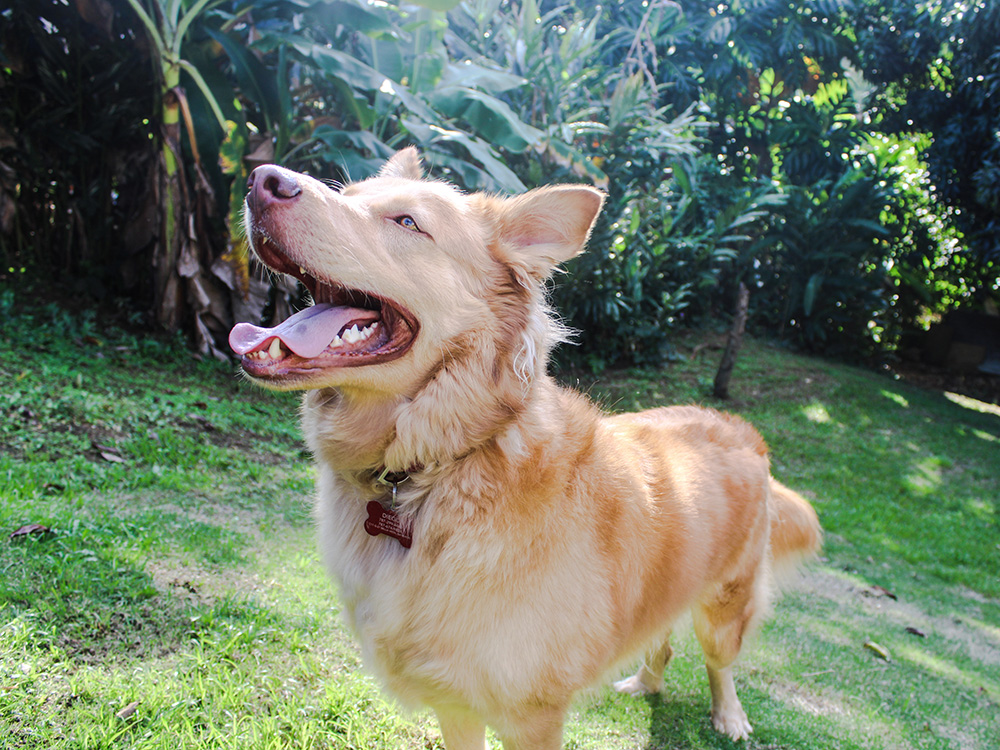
(500, 544)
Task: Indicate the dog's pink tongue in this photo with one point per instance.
(307, 333)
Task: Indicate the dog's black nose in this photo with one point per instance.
(270, 182)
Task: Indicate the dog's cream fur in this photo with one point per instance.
(551, 543)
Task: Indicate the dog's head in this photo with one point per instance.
(405, 273)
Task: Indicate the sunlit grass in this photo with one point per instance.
(179, 601)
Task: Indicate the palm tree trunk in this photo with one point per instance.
(168, 290)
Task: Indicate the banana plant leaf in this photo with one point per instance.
(500, 176)
(493, 119)
(256, 82)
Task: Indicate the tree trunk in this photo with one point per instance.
(191, 288)
(733, 344)
(167, 289)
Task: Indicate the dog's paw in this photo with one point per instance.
(733, 723)
(638, 685)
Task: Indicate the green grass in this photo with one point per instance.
(178, 601)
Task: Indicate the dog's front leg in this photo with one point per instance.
(539, 729)
(461, 729)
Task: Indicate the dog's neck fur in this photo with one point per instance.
(485, 384)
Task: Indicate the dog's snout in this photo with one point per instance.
(270, 183)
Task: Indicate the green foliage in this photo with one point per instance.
(818, 274)
(661, 263)
(360, 90)
(74, 132)
(734, 141)
(934, 67)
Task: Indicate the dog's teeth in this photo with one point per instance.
(352, 335)
(275, 349)
(302, 270)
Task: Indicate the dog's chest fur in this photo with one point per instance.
(499, 543)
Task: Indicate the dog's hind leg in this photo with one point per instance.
(649, 678)
(720, 621)
(461, 730)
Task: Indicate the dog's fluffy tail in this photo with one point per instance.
(795, 529)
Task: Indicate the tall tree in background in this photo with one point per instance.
(182, 282)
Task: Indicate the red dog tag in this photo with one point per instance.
(383, 521)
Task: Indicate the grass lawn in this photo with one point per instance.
(177, 601)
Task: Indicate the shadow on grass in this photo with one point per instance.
(680, 721)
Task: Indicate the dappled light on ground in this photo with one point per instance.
(896, 398)
(925, 476)
(816, 412)
(966, 402)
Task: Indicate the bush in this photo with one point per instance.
(818, 276)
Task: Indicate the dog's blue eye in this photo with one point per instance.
(407, 222)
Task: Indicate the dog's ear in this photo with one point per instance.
(404, 164)
(545, 227)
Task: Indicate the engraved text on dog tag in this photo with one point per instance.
(384, 521)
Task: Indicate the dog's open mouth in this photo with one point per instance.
(344, 328)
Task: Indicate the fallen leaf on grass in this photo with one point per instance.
(109, 453)
(202, 422)
(878, 592)
(128, 710)
(881, 651)
(914, 631)
(29, 529)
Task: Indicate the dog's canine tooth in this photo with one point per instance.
(275, 349)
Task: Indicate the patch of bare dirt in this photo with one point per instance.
(197, 585)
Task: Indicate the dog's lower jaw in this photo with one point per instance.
(347, 431)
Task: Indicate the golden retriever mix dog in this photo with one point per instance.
(500, 544)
